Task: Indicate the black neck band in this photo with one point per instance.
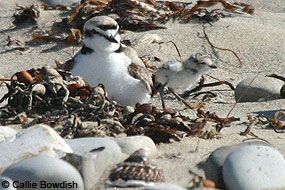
(120, 50)
(86, 50)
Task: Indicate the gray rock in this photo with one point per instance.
(37, 140)
(282, 91)
(44, 172)
(92, 156)
(61, 2)
(213, 167)
(130, 144)
(254, 167)
(6, 183)
(262, 89)
(164, 186)
(6, 132)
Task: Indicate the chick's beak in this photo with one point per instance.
(213, 66)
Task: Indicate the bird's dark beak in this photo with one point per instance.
(112, 39)
(213, 66)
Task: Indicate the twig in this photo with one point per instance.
(277, 77)
(257, 139)
(247, 130)
(242, 95)
(7, 79)
(174, 46)
(224, 49)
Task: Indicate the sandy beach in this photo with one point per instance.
(258, 39)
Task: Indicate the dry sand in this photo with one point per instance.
(259, 40)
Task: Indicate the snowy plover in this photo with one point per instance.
(104, 60)
(177, 75)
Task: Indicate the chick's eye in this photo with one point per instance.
(202, 63)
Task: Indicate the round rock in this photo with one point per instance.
(6, 183)
(89, 144)
(130, 144)
(213, 168)
(282, 91)
(164, 186)
(39, 139)
(254, 167)
(44, 172)
(262, 89)
(93, 156)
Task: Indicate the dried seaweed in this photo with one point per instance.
(275, 123)
(224, 49)
(26, 13)
(277, 77)
(72, 38)
(202, 85)
(19, 45)
(134, 15)
(75, 109)
(57, 7)
(163, 125)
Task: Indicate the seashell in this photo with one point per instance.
(136, 117)
(129, 109)
(150, 38)
(116, 125)
(78, 90)
(50, 74)
(166, 117)
(208, 183)
(135, 169)
(39, 89)
(25, 77)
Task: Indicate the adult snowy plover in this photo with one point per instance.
(104, 60)
(177, 75)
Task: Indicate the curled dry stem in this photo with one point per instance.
(177, 50)
(223, 49)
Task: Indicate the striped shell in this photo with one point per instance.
(136, 168)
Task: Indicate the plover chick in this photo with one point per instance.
(104, 60)
(177, 75)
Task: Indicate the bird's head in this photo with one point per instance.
(102, 34)
(200, 63)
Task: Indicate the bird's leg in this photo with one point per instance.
(180, 98)
(160, 90)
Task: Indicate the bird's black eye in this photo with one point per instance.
(195, 60)
(202, 63)
(107, 27)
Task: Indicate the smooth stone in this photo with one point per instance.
(133, 143)
(6, 132)
(254, 167)
(3, 183)
(164, 186)
(45, 169)
(37, 140)
(262, 89)
(92, 157)
(282, 91)
(213, 167)
(61, 2)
